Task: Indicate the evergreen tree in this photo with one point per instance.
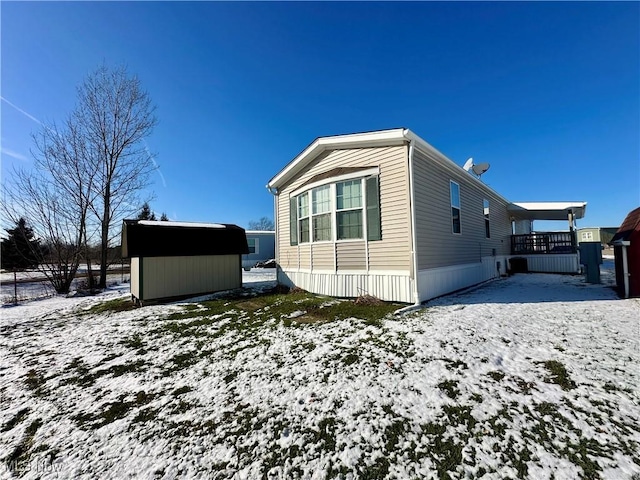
(20, 250)
(164, 218)
(146, 213)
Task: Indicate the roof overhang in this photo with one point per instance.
(547, 210)
(380, 138)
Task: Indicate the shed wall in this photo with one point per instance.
(164, 277)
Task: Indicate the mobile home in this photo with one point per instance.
(386, 214)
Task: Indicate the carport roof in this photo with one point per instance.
(547, 210)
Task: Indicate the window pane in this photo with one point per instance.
(252, 245)
(322, 227)
(304, 230)
(321, 200)
(455, 195)
(487, 228)
(303, 205)
(349, 224)
(455, 215)
(349, 194)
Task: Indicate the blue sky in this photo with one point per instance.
(547, 93)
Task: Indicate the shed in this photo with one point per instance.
(626, 245)
(180, 259)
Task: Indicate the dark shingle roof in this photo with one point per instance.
(173, 239)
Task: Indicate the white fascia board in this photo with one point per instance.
(547, 210)
(621, 243)
(260, 232)
(355, 140)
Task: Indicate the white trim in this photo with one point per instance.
(356, 140)
(452, 206)
(395, 273)
(338, 178)
(414, 233)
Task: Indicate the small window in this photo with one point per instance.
(487, 227)
(321, 213)
(349, 209)
(455, 207)
(253, 245)
(303, 217)
(587, 236)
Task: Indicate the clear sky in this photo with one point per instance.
(547, 93)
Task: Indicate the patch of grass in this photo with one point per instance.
(17, 418)
(610, 387)
(454, 364)
(450, 387)
(496, 375)
(350, 358)
(181, 390)
(110, 306)
(20, 455)
(35, 382)
(558, 375)
(112, 411)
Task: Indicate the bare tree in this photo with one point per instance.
(55, 221)
(264, 223)
(115, 116)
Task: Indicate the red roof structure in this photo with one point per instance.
(626, 243)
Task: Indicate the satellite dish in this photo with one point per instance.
(468, 165)
(480, 168)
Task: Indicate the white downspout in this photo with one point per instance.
(414, 236)
(625, 271)
(276, 250)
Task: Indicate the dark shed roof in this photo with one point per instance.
(629, 225)
(144, 238)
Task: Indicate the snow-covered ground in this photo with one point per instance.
(531, 376)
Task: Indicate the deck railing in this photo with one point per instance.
(543, 243)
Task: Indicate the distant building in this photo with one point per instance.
(596, 234)
(262, 247)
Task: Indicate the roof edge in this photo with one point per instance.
(351, 140)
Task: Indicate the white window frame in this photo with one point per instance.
(306, 217)
(315, 214)
(458, 207)
(361, 209)
(486, 206)
(332, 183)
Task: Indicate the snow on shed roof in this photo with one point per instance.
(144, 238)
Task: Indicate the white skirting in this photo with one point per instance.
(434, 282)
(552, 263)
(396, 287)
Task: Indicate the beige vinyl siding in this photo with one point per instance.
(351, 256)
(323, 256)
(304, 256)
(437, 245)
(164, 277)
(393, 252)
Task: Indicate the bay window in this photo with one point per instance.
(343, 210)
